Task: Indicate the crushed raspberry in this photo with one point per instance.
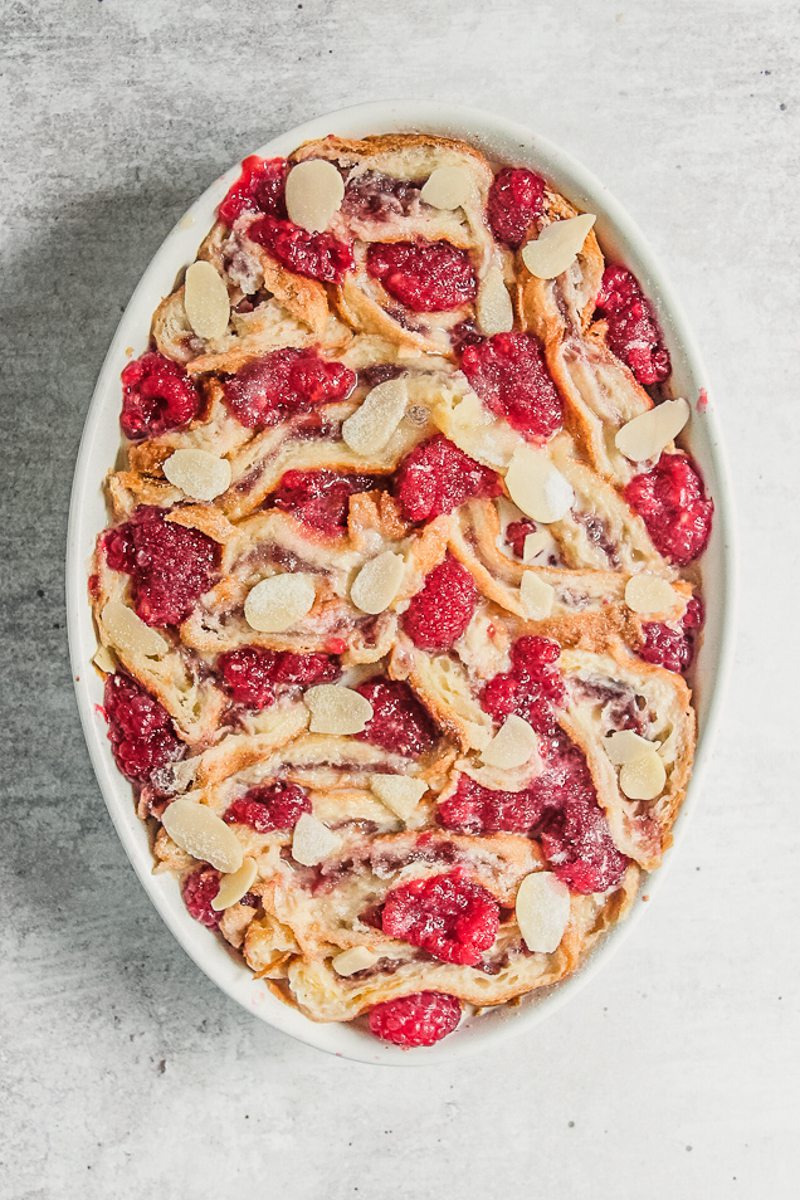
(157, 395)
(425, 276)
(633, 331)
(510, 375)
(379, 197)
(317, 255)
(670, 647)
(251, 675)
(577, 842)
(199, 889)
(283, 383)
(140, 729)
(449, 916)
(439, 613)
(437, 477)
(516, 532)
(320, 499)
(476, 809)
(417, 1020)
(516, 199)
(272, 806)
(259, 188)
(673, 504)
(399, 723)
(171, 565)
(532, 689)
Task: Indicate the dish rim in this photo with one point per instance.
(507, 140)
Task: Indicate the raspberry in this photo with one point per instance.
(633, 331)
(425, 276)
(516, 199)
(417, 1020)
(377, 197)
(272, 806)
(316, 255)
(673, 504)
(449, 916)
(579, 847)
(531, 689)
(320, 499)
(438, 615)
(171, 565)
(140, 729)
(510, 375)
(283, 383)
(157, 396)
(259, 188)
(669, 647)
(199, 889)
(476, 809)
(399, 723)
(516, 532)
(251, 674)
(437, 477)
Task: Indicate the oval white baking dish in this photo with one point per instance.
(619, 237)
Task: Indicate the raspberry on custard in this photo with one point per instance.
(474, 809)
(285, 382)
(437, 477)
(140, 729)
(516, 199)
(424, 276)
(633, 331)
(672, 502)
(450, 916)
(439, 613)
(268, 807)
(532, 689)
(316, 255)
(259, 188)
(509, 373)
(399, 722)
(199, 889)
(420, 1019)
(667, 646)
(251, 674)
(321, 499)
(157, 396)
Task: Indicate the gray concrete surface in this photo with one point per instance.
(124, 1072)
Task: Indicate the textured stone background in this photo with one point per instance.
(124, 1072)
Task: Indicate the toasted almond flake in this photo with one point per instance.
(378, 582)
(557, 246)
(513, 744)
(400, 793)
(372, 424)
(537, 486)
(447, 187)
(537, 596)
(625, 746)
(128, 632)
(542, 910)
(104, 660)
(644, 778)
(358, 958)
(647, 435)
(199, 474)
(337, 709)
(205, 299)
(198, 830)
(535, 544)
(314, 191)
(279, 602)
(312, 841)
(646, 593)
(493, 304)
(234, 886)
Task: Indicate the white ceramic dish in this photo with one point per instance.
(99, 447)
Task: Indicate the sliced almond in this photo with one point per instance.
(198, 474)
(314, 191)
(337, 709)
(651, 432)
(234, 886)
(644, 778)
(205, 299)
(447, 187)
(278, 603)
(312, 841)
(537, 486)
(557, 246)
(493, 304)
(378, 582)
(400, 793)
(198, 830)
(369, 428)
(646, 593)
(513, 744)
(536, 543)
(358, 958)
(104, 660)
(537, 596)
(542, 910)
(625, 746)
(128, 632)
